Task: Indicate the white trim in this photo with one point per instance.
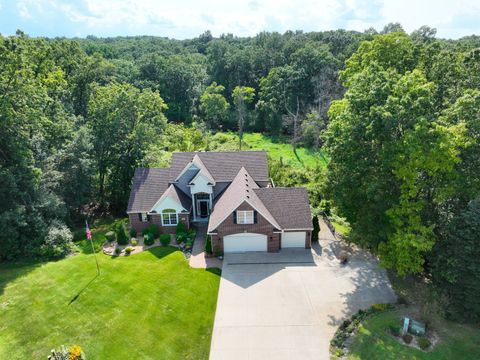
(169, 213)
(249, 203)
(286, 230)
(163, 197)
(192, 182)
(246, 214)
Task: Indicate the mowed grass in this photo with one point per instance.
(373, 342)
(150, 305)
(277, 148)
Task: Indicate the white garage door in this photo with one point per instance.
(244, 242)
(293, 239)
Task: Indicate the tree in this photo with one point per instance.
(316, 228)
(123, 121)
(456, 268)
(242, 96)
(386, 125)
(214, 106)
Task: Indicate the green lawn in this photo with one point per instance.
(276, 147)
(150, 305)
(373, 342)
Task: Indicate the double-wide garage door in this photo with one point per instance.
(244, 242)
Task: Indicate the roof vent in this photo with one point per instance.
(248, 197)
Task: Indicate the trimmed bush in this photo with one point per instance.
(316, 228)
(145, 231)
(407, 338)
(117, 251)
(153, 229)
(395, 330)
(128, 250)
(121, 235)
(181, 237)
(181, 228)
(133, 232)
(208, 244)
(424, 343)
(165, 239)
(148, 239)
(189, 243)
(134, 242)
(110, 236)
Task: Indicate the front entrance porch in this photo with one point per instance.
(202, 206)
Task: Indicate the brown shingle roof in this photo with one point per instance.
(147, 187)
(224, 166)
(289, 206)
(243, 188)
(177, 195)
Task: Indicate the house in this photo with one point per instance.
(228, 191)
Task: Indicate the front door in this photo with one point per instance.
(203, 208)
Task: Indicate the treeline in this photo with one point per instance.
(404, 144)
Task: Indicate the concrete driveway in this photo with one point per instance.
(287, 305)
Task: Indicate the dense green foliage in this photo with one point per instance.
(141, 306)
(404, 149)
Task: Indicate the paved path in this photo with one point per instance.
(287, 305)
(198, 259)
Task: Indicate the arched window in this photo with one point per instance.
(169, 217)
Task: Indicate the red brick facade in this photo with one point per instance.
(157, 220)
(227, 227)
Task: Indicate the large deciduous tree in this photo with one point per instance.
(214, 106)
(124, 121)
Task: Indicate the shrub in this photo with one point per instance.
(58, 241)
(424, 343)
(121, 235)
(181, 228)
(117, 251)
(145, 231)
(407, 338)
(133, 232)
(395, 330)
(128, 250)
(110, 235)
(148, 239)
(316, 228)
(208, 244)
(189, 243)
(134, 242)
(180, 237)
(165, 239)
(153, 229)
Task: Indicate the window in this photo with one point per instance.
(169, 217)
(245, 217)
(144, 217)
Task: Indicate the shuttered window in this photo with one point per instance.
(245, 217)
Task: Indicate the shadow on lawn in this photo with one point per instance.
(82, 290)
(11, 271)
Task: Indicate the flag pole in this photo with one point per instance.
(89, 236)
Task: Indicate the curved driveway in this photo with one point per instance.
(287, 305)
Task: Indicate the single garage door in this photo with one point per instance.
(244, 242)
(293, 239)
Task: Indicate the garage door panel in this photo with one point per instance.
(244, 242)
(294, 239)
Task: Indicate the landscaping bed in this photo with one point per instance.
(377, 335)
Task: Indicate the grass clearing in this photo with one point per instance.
(146, 306)
(373, 341)
(277, 148)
